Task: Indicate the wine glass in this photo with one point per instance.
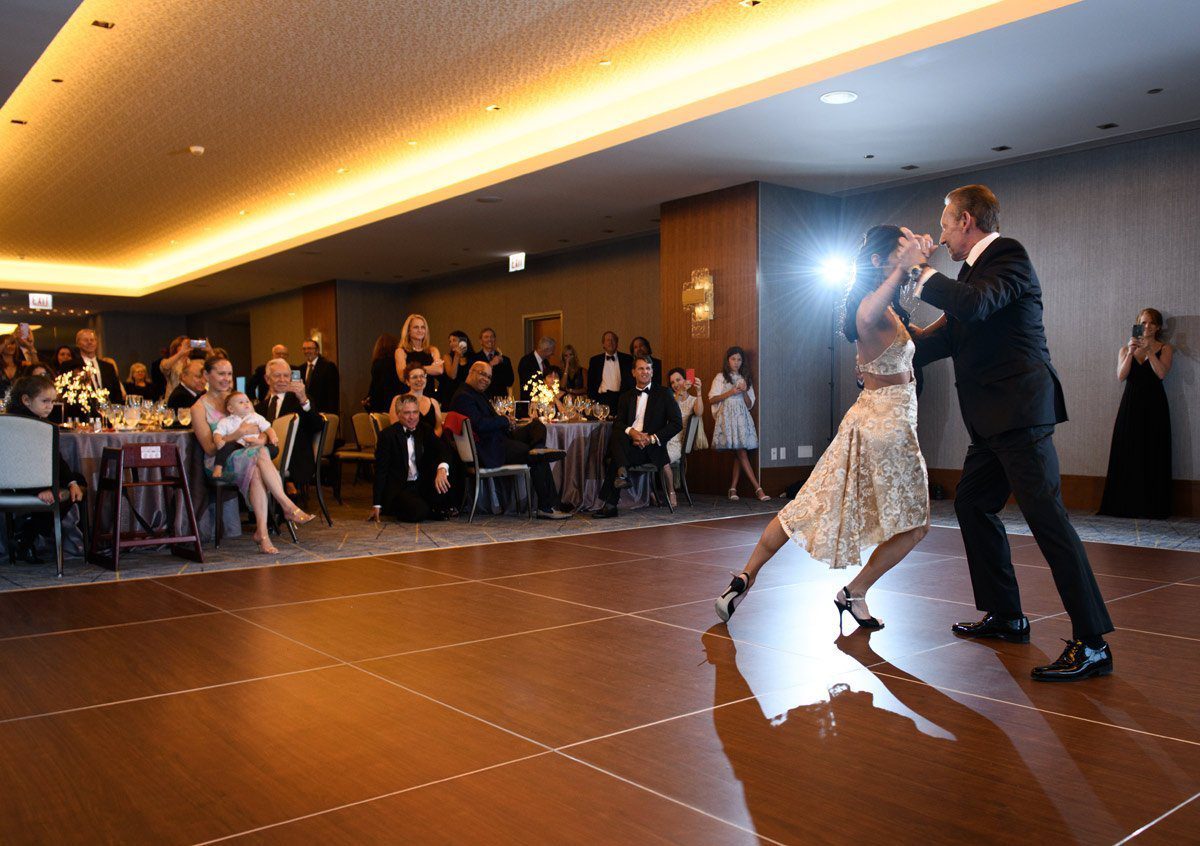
(185, 416)
(167, 416)
(133, 400)
(133, 414)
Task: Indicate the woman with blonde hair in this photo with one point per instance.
(572, 378)
(415, 347)
(137, 383)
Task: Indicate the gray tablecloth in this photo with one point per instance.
(82, 451)
(580, 475)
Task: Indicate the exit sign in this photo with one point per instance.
(516, 262)
(44, 302)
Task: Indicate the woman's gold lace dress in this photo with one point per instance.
(871, 483)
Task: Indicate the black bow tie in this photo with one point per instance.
(645, 391)
(409, 433)
(610, 358)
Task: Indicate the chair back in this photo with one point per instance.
(285, 427)
(689, 440)
(30, 450)
(139, 455)
(364, 431)
(464, 442)
(380, 421)
(327, 437)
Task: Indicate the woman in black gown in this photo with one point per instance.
(1139, 462)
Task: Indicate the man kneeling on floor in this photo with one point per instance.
(412, 470)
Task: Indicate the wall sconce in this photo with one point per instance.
(698, 301)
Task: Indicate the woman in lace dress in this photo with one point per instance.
(870, 488)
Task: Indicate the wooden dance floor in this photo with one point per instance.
(579, 691)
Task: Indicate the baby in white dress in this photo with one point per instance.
(239, 410)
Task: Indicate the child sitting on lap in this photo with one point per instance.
(240, 410)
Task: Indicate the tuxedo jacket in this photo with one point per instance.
(491, 429)
(596, 373)
(502, 375)
(323, 386)
(527, 367)
(994, 334)
(391, 461)
(309, 423)
(109, 379)
(181, 397)
(662, 417)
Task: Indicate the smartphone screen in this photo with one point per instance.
(691, 374)
(196, 343)
(1137, 331)
(23, 330)
(295, 375)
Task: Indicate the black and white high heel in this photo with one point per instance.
(728, 602)
(845, 602)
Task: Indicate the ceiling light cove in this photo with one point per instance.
(838, 98)
(707, 61)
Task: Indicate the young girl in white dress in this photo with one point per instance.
(731, 396)
(870, 487)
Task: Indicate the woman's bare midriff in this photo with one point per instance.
(871, 382)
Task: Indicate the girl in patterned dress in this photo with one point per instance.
(870, 487)
(731, 396)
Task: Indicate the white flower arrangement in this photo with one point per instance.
(541, 395)
(77, 389)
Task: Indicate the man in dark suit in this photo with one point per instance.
(322, 382)
(610, 373)
(647, 417)
(535, 363)
(287, 396)
(412, 470)
(502, 369)
(1010, 399)
(256, 386)
(501, 441)
(103, 372)
(191, 385)
(639, 346)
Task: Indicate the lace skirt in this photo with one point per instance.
(870, 484)
(735, 426)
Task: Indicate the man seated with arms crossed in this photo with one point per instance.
(501, 441)
(647, 417)
(412, 470)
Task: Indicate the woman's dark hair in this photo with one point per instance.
(633, 343)
(62, 347)
(26, 386)
(411, 368)
(213, 360)
(879, 241)
(38, 365)
(462, 336)
(744, 372)
(1156, 317)
(556, 370)
(385, 347)
(682, 372)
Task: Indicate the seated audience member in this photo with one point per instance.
(572, 373)
(103, 371)
(38, 368)
(288, 397)
(689, 405)
(429, 408)
(502, 369)
(553, 379)
(647, 418)
(534, 363)
(386, 384)
(229, 435)
(501, 441)
(638, 347)
(33, 396)
(191, 385)
(460, 355)
(321, 379)
(138, 383)
(412, 470)
(256, 385)
(609, 372)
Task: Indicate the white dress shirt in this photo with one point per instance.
(92, 366)
(611, 380)
(972, 257)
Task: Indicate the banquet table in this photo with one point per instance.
(82, 450)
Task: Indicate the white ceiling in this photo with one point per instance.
(1037, 85)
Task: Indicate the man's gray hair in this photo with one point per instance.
(276, 362)
(407, 399)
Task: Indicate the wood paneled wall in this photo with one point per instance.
(719, 231)
(321, 314)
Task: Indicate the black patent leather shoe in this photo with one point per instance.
(1076, 663)
(1013, 631)
(605, 512)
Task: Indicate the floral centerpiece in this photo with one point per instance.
(541, 396)
(77, 390)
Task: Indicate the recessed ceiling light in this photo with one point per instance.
(412, 143)
(489, 198)
(838, 98)
(869, 156)
(242, 212)
(909, 167)
(104, 24)
(1001, 148)
(605, 63)
(19, 122)
(1155, 91)
(291, 193)
(492, 108)
(342, 169)
(173, 241)
(749, 4)
(1107, 125)
(59, 80)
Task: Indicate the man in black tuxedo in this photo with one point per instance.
(500, 441)
(191, 385)
(256, 386)
(502, 369)
(101, 371)
(610, 373)
(638, 347)
(1010, 399)
(647, 417)
(322, 382)
(535, 363)
(412, 470)
(287, 396)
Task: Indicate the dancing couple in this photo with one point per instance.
(870, 488)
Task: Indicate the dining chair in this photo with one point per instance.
(30, 450)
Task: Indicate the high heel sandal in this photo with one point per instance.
(733, 494)
(762, 495)
(848, 605)
(728, 602)
(300, 518)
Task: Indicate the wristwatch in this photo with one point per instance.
(914, 272)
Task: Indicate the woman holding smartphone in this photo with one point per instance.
(682, 384)
(1139, 462)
